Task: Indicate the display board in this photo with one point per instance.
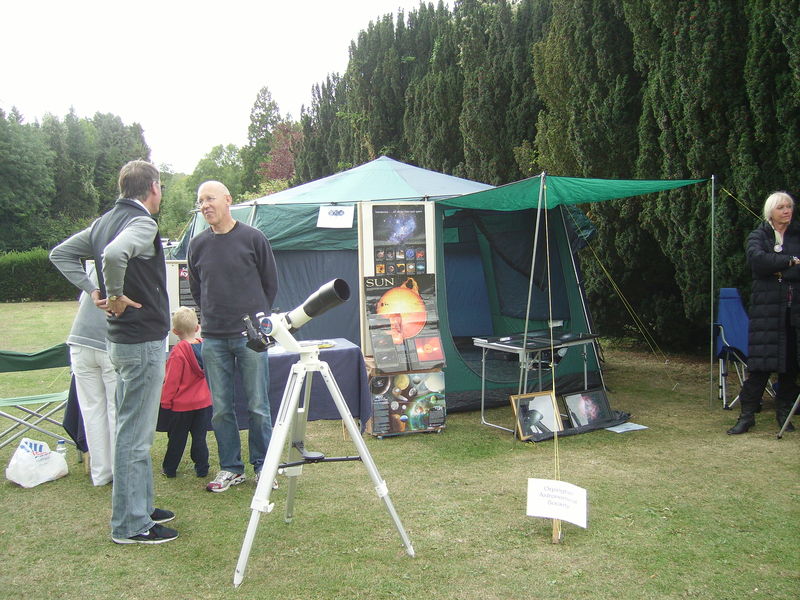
(400, 322)
(406, 403)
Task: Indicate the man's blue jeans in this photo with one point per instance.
(140, 375)
(221, 357)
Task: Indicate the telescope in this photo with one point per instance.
(279, 327)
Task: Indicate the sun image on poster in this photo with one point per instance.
(399, 240)
(403, 322)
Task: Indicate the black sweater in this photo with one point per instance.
(230, 275)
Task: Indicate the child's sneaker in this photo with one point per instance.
(224, 480)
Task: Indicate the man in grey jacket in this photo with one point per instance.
(131, 288)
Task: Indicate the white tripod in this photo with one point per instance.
(292, 416)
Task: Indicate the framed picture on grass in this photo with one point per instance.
(536, 415)
(587, 407)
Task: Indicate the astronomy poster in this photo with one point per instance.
(399, 240)
(403, 322)
(407, 403)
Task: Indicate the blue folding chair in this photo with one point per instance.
(731, 329)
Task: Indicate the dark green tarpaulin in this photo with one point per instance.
(559, 191)
(294, 227)
(51, 358)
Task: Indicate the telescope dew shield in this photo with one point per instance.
(330, 295)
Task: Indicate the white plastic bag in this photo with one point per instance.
(33, 463)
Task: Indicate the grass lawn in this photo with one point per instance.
(679, 510)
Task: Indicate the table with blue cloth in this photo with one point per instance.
(346, 364)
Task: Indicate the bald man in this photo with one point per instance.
(232, 273)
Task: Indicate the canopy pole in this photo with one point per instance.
(558, 533)
(542, 177)
(711, 293)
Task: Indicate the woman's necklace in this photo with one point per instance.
(778, 240)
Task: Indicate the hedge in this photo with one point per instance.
(30, 275)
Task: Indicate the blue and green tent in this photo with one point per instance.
(506, 261)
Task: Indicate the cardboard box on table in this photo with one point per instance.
(407, 402)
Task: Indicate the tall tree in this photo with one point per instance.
(530, 22)
(222, 163)
(484, 33)
(691, 55)
(433, 98)
(26, 185)
(287, 137)
(323, 148)
(264, 117)
(76, 196)
(117, 144)
(585, 74)
(178, 204)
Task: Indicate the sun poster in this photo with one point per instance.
(403, 322)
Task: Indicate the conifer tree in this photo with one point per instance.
(26, 184)
(264, 117)
(483, 31)
(433, 99)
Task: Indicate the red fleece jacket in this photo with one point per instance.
(185, 386)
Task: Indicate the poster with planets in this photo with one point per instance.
(398, 239)
(407, 403)
(403, 322)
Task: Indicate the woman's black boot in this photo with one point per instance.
(743, 425)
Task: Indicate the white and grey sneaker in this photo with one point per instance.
(274, 481)
(224, 480)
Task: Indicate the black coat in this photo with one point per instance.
(773, 282)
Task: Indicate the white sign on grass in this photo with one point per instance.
(550, 499)
(333, 216)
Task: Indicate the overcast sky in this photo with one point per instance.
(188, 71)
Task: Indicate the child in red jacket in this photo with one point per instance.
(185, 397)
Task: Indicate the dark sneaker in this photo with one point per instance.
(159, 515)
(157, 534)
(224, 480)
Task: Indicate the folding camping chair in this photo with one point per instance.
(731, 329)
(37, 410)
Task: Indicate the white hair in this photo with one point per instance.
(772, 201)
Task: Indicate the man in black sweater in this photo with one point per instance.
(232, 273)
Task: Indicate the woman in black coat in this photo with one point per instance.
(772, 253)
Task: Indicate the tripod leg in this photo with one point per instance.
(789, 416)
(298, 436)
(380, 485)
(260, 503)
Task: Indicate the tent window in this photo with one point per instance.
(510, 239)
